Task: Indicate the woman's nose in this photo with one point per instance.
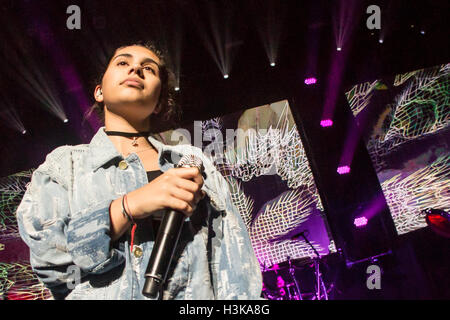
(137, 69)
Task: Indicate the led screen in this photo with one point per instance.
(260, 153)
(405, 122)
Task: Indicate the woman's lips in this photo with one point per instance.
(133, 84)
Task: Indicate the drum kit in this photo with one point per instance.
(288, 287)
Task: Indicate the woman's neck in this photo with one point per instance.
(114, 122)
(124, 145)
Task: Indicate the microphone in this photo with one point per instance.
(166, 240)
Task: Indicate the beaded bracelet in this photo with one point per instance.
(125, 213)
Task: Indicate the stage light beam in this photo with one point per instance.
(310, 81)
(268, 19)
(326, 123)
(32, 75)
(360, 222)
(217, 36)
(343, 169)
(343, 21)
(10, 116)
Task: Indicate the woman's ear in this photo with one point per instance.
(157, 108)
(98, 94)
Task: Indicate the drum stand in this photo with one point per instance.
(321, 290)
(320, 285)
(292, 273)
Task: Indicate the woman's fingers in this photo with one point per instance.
(191, 187)
(189, 174)
(178, 188)
(182, 206)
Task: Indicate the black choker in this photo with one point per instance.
(128, 134)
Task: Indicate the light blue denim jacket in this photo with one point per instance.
(64, 219)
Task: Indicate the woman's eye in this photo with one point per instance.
(149, 69)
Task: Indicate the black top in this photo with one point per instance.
(157, 216)
(153, 174)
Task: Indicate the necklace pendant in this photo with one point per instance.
(134, 142)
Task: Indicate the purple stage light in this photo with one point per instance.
(360, 222)
(326, 123)
(343, 169)
(309, 81)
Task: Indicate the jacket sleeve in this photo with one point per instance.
(232, 243)
(61, 241)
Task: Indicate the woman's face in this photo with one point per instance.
(131, 85)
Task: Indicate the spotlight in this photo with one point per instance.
(66, 120)
(311, 80)
(380, 41)
(24, 131)
(177, 88)
(326, 123)
(272, 64)
(338, 48)
(225, 76)
(422, 31)
(360, 222)
(343, 169)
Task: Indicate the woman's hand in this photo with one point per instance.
(178, 189)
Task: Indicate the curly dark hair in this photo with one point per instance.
(170, 113)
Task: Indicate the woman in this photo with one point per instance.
(90, 213)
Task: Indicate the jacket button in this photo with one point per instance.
(123, 165)
(137, 252)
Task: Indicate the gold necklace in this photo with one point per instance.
(138, 151)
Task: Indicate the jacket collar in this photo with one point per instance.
(102, 151)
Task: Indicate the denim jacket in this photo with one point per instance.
(64, 219)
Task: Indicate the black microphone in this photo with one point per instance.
(166, 240)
